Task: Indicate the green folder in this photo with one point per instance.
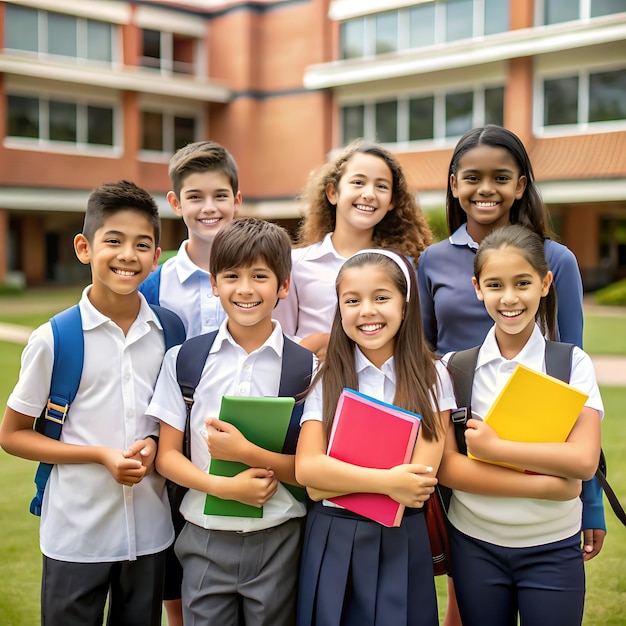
(263, 421)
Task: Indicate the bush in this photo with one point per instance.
(436, 219)
(9, 289)
(614, 294)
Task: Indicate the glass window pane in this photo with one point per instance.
(494, 106)
(62, 35)
(184, 131)
(422, 25)
(100, 125)
(184, 52)
(23, 116)
(151, 48)
(607, 7)
(459, 113)
(607, 96)
(459, 19)
(560, 101)
(152, 131)
(353, 39)
(387, 121)
(62, 123)
(99, 44)
(20, 28)
(556, 11)
(352, 121)
(421, 118)
(386, 32)
(496, 16)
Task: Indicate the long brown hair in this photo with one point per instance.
(416, 375)
(404, 228)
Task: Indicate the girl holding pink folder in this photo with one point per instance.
(355, 571)
(515, 540)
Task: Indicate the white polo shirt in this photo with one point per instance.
(519, 522)
(229, 371)
(310, 305)
(380, 384)
(87, 516)
(186, 289)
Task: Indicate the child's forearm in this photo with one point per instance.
(283, 465)
(464, 474)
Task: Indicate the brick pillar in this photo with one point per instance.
(4, 244)
(33, 250)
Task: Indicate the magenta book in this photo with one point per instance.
(372, 433)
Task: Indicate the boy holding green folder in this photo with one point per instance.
(236, 569)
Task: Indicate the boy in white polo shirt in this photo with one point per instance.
(105, 521)
(236, 570)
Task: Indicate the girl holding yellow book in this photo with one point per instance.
(516, 536)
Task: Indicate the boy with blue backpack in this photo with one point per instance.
(105, 517)
(236, 569)
(205, 194)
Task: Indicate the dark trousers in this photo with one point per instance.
(545, 584)
(75, 594)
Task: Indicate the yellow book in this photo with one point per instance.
(534, 407)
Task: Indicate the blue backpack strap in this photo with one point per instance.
(559, 359)
(67, 331)
(151, 287)
(173, 328)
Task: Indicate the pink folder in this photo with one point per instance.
(372, 433)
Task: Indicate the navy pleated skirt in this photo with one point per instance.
(355, 572)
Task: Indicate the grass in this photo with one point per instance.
(604, 335)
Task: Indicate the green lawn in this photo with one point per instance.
(605, 335)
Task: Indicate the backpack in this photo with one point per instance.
(295, 376)
(558, 358)
(151, 287)
(67, 367)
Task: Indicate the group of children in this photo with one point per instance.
(349, 309)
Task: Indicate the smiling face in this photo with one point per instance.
(364, 194)
(372, 310)
(249, 295)
(122, 254)
(511, 289)
(486, 183)
(206, 203)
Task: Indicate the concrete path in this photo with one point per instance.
(610, 370)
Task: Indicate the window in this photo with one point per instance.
(352, 122)
(423, 118)
(168, 52)
(585, 98)
(57, 121)
(166, 132)
(48, 33)
(557, 11)
(423, 25)
(607, 96)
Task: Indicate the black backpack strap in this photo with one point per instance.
(190, 362)
(295, 377)
(462, 366)
(559, 359)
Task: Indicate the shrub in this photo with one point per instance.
(436, 219)
(614, 294)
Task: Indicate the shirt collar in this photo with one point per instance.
(274, 342)
(185, 267)
(460, 237)
(92, 318)
(362, 363)
(532, 354)
(325, 248)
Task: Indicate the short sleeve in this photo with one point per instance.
(313, 404)
(444, 389)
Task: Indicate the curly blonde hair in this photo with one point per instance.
(404, 228)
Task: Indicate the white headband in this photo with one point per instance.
(396, 258)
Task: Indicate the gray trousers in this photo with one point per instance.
(232, 578)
